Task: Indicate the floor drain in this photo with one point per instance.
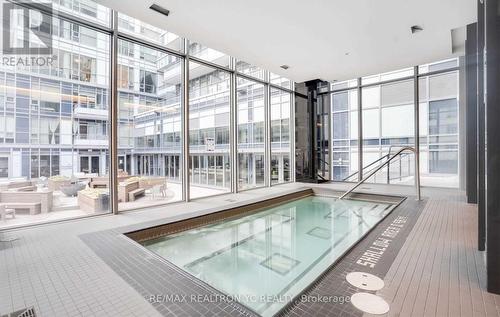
(25, 312)
(369, 303)
(365, 281)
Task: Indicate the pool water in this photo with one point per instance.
(265, 259)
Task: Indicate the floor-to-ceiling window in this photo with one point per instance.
(205, 53)
(280, 81)
(53, 120)
(209, 123)
(344, 107)
(388, 125)
(149, 126)
(439, 120)
(388, 118)
(56, 118)
(250, 97)
(280, 107)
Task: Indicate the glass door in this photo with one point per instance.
(94, 165)
(84, 164)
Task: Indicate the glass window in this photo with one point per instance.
(250, 109)
(392, 124)
(149, 128)
(54, 123)
(437, 66)
(150, 33)
(280, 81)
(443, 86)
(280, 136)
(439, 128)
(250, 70)
(209, 117)
(396, 93)
(203, 52)
(345, 134)
(340, 102)
(443, 162)
(443, 117)
(344, 84)
(387, 76)
(388, 125)
(53, 120)
(86, 9)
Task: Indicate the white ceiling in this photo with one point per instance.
(326, 39)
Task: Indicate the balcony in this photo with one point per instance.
(90, 113)
(91, 140)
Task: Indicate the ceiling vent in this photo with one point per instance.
(159, 9)
(416, 29)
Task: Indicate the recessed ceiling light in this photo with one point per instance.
(416, 28)
(285, 67)
(347, 53)
(159, 9)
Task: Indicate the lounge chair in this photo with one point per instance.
(6, 211)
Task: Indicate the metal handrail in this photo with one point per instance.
(321, 176)
(379, 159)
(372, 163)
(417, 173)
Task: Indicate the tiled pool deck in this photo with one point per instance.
(86, 267)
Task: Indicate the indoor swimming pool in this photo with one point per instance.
(266, 258)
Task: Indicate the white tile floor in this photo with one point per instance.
(51, 268)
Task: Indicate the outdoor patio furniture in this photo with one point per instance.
(24, 189)
(163, 189)
(34, 208)
(6, 211)
(136, 193)
(122, 173)
(55, 183)
(156, 191)
(130, 190)
(125, 188)
(15, 185)
(36, 202)
(72, 189)
(42, 181)
(150, 182)
(93, 200)
(103, 181)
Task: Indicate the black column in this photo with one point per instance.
(315, 126)
(312, 104)
(303, 144)
(471, 113)
(492, 109)
(481, 130)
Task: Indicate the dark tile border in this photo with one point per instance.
(208, 211)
